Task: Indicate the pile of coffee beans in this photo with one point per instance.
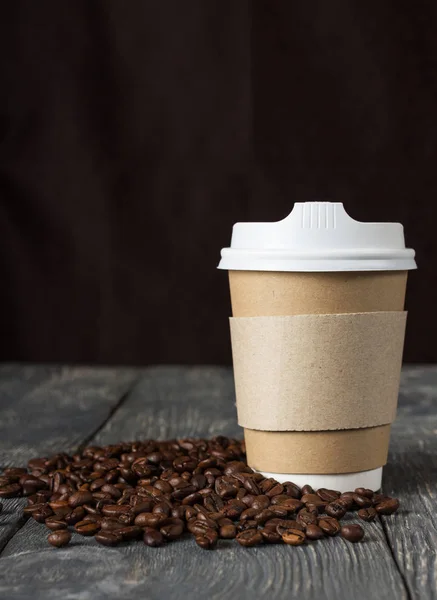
(157, 491)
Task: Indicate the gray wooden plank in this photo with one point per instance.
(411, 474)
(176, 402)
(46, 408)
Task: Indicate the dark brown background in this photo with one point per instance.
(134, 134)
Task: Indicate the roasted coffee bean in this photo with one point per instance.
(87, 527)
(54, 523)
(80, 498)
(313, 499)
(244, 525)
(334, 509)
(234, 510)
(279, 512)
(352, 533)
(208, 540)
(249, 538)
(261, 502)
(327, 495)
(249, 513)
(263, 516)
(210, 522)
(172, 531)
(291, 505)
(126, 518)
(293, 537)
(153, 538)
(307, 517)
(228, 532)
(292, 490)
(41, 514)
(313, 532)
(275, 490)
(148, 520)
(362, 501)
(133, 532)
(329, 525)
(12, 490)
(284, 525)
(387, 507)
(271, 536)
(75, 515)
(364, 492)
(115, 510)
(378, 498)
(140, 505)
(28, 510)
(60, 538)
(307, 489)
(108, 524)
(108, 538)
(367, 514)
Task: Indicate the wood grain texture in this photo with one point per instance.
(176, 402)
(43, 409)
(411, 474)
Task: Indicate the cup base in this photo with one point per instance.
(343, 482)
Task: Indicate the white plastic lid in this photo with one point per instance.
(318, 236)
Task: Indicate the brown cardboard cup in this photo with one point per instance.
(270, 293)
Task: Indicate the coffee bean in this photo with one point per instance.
(152, 537)
(292, 490)
(313, 499)
(362, 501)
(329, 525)
(249, 538)
(12, 490)
(208, 540)
(108, 524)
(307, 489)
(327, 495)
(87, 528)
(307, 517)
(126, 518)
(108, 538)
(293, 537)
(271, 536)
(367, 514)
(244, 525)
(387, 507)
(60, 538)
(54, 523)
(172, 531)
(335, 509)
(261, 502)
(133, 532)
(378, 498)
(228, 532)
(74, 516)
(80, 498)
(42, 513)
(364, 492)
(352, 533)
(115, 510)
(313, 532)
(275, 490)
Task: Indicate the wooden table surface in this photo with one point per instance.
(47, 409)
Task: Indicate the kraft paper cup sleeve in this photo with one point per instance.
(317, 452)
(317, 372)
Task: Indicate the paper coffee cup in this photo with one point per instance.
(352, 278)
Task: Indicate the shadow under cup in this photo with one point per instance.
(329, 452)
